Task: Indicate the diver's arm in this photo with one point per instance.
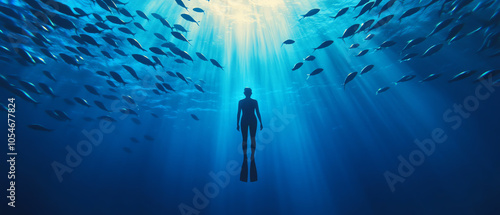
(258, 114)
(238, 117)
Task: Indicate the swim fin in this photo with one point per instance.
(244, 171)
(253, 171)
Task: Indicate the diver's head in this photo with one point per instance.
(248, 92)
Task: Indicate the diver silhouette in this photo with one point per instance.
(248, 121)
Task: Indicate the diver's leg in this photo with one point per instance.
(253, 131)
(253, 144)
(244, 166)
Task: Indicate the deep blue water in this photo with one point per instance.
(324, 149)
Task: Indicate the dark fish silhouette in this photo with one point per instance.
(22, 94)
(215, 63)
(310, 58)
(199, 10)
(116, 20)
(81, 101)
(92, 90)
(405, 79)
(157, 51)
(70, 60)
(340, 13)
(487, 74)
(135, 43)
(101, 106)
(386, 44)
(125, 12)
(409, 13)
(315, 72)
(432, 50)
(354, 45)
(324, 45)
(387, 5)
(365, 25)
(382, 22)
(361, 3)
(180, 28)
(361, 53)
(440, 26)
(462, 75)
(414, 42)
(168, 87)
(408, 57)
(454, 32)
(85, 51)
(181, 3)
(142, 14)
(349, 32)
(430, 77)
(365, 9)
(157, 61)
(39, 127)
(90, 40)
(188, 18)
(49, 75)
(118, 78)
(106, 54)
(198, 87)
(195, 117)
(381, 90)
(131, 71)
(349, 78)
(297, 66)
(144, 60)
(288, 42)
(179, 75)
(126, 30)
(201, 56)
(48, 54)
(366, 69)
(179, 36)
(310, 13)
(29, 86)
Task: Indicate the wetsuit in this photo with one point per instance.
(248, 119)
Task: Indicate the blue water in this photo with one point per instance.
(323, 150)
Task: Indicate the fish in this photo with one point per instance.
(133, 139)
(181, 3)
(487, 74)
(71, 49)
(62, 115)
(135, 43)
(432, 50)
(199, 10)
(110, 83)
(68, 102)
(168, 87)
(126, 30)
(180, 28)
(349, 78)
(288, 42)
(188, 18)
(365, 25)
(430, 78)
(382, 22)
(165, 23)
(171, 74)
(128, 111)
(324, 45)
(340, 13)
(22, 94)
(49, 75)
(160, 87)
(405, 79)
(215, 63)
(136, 121)
(354, 45)
(201, 56)
(414, 42)
(142, 14)
(315, 72)
(107, 118)
(92, 90)
(361, 3)
(125, 12)
(454, 32)
(381, 90)
(179, 75)
(110, 97)
(366, 69)
(89, 28)
(110, 41)
(101, 106)
(441, 25)
(157, 61)
(310, 58)
(430, 3)
(81, 12)
(185, 55)
(310, 13)
(349, 32)
(179, 36)
(409, 13)
(29, 86)
(408, 57)
(386, 44)
(131, 71)
(195, 117)
(25, 55)
(198, 87)
(98, 17)
(361, 53)
(144, 60)
(85, 51)
(39, 127)
(377, 2)
(106, 54)
(90, 40)
(147, 137)
(117, 77)
(160, 78)
(157, 16)
(81, 101)
(297, 66)
(462, 75)
(48, 54)
(47, 89)
(365, 9)
(103, 26)
(179, 61)
(116, 20)
(387, 5)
